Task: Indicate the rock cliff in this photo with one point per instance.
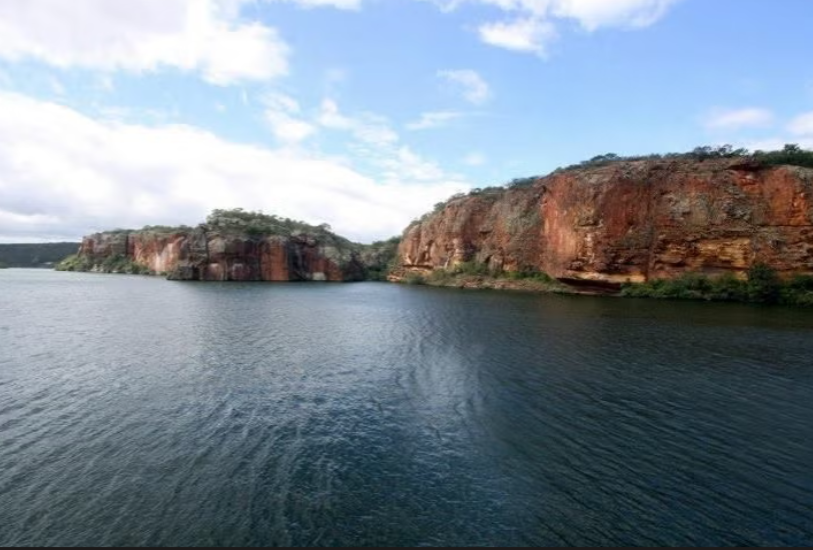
(626, 222)
(236, 246)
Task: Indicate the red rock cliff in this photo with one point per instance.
(200, 255)
(629, 221)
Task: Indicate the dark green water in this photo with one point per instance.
(135, 411)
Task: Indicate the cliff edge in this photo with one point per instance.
(623, 222)
(234, 246)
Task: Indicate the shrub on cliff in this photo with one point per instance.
(259, 223)
(691, 286)
(75, 263)
(764, 285)
(474, 269)
(520, 183)
(528, 275)
(792, 155)
(415, 279)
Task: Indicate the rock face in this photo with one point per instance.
(201, 255)
(628, 222)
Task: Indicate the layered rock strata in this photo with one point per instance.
(627, 222)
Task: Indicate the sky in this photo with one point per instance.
(363, 114)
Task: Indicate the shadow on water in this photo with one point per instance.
(170, 414)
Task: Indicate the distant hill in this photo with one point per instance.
(35, 255)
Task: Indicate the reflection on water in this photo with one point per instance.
(134, 411)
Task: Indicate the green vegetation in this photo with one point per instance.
(415, 279)
(259, 223)
(75, 263)
(791, 155)
(380, 259)
(763, 286)
(35, 255)
(3, 265)
(360, 262)
(478, 274)
(113, 264)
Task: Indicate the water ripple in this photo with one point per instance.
(135, 411)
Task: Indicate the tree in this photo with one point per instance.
(764, 285)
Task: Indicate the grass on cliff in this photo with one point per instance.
(763, 286)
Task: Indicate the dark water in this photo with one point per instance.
(135, 411)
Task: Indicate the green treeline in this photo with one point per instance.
(113, 264)
(259, 223)
(763, 286)
(35, 255)
(442, 277)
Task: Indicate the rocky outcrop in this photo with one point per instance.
(627, 222)
(204, 255)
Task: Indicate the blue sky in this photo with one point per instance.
(364, 113)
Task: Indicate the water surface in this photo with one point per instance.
(136, 411)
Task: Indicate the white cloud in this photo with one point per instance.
(594, 14)
(532, 24)
(379, 146)
(64, 174)
(201, 36)
(470, 84)
(56, 85)
(802, 125)
(339, 4)
(522, 35)
(105, 83)
(288, 129)
(475, 159)
(433, 120)
(367, 128)
(739, 118)
(281, 113)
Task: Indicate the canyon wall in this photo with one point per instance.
(627, 222)
(201, 255)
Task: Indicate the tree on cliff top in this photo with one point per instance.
(259, 223)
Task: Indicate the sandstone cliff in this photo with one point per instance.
(202, 256)
(234, 246)
(628, 221)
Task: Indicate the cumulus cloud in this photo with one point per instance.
(339, 4)
(469, 84)
(475, 159)
(367, 128)
(437, 119)
(64, 174)
(532, 24)
(522, 35)
(737, 119)
(379, 146)
(201, 36)
(282, 115)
